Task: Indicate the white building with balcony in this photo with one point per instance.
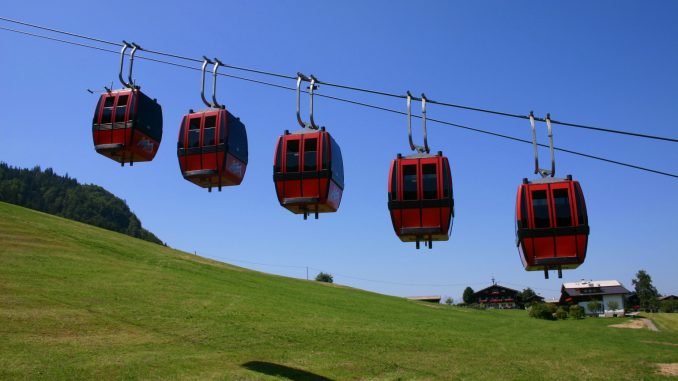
(609, 293)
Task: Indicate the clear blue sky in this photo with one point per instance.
(607, 63)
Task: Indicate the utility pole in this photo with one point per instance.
(306, 272)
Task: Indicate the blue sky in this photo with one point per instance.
(609, 63)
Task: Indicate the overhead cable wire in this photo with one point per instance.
(397, 283)
(355, 88)
(362, 104)
(262, 264)
(526, 286)
(143, 58)
(346, 276)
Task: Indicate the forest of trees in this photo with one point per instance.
(63, 196)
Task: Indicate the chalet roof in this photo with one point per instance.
(432, 298)
(668, 297)
(496, 286)
(598, 287)
(592, 283)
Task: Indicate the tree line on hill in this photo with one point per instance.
(65, 197)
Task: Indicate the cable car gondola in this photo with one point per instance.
(308, 170)
(212, 145)
(420, 197)
(551, 222)
(127, 124)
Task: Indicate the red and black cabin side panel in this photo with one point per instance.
(420, 198)
(552, 226)
(308, 172)
(212, 148)
(127, 126)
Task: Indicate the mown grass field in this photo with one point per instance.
(78, 302)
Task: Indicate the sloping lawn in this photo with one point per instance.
(78, 302)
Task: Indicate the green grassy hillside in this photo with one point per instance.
(79, 302)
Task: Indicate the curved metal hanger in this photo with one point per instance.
(122, 62)
(130, 84)
(300, 77)
(423, 121)
(413, 146)
(202, 86)
(214, 83)
(311, 88)
(135, 47)
(216, 64)
(202, 83)
(541, 171)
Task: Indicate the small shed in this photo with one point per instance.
(429, 299)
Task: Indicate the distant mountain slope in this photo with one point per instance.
(63, 196)
(81, 303)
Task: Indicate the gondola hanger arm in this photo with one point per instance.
(537, 170)
(214, 83)
(313, 86)
(135, 47)
(125, 46)
(423, 121)
(205, 62)
(300, 77)
(413, 146)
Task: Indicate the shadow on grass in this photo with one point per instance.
(272, 369)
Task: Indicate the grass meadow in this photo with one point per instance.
(78, 302)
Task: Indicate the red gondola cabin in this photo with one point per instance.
(212, 148)
(308, 172)
(551, 224)
(127, 126)
(420, 198)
